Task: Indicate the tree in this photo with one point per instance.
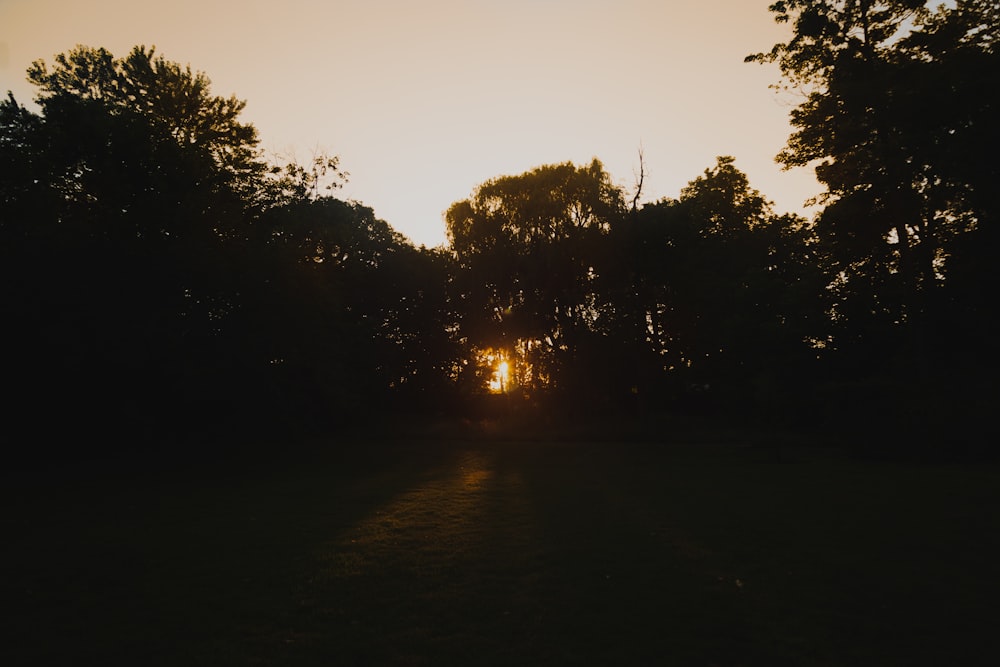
(345, 319)
(892, 96)
(718, 291)
(527, 249)
(124, 212)
(899, 122)
(176, 101)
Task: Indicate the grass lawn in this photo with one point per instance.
(507, 553)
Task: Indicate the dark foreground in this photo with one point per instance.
(502, 553)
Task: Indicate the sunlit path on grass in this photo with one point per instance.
(447, 566)
(512, 552)
(430, 526)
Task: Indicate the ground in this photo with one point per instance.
(493, 552)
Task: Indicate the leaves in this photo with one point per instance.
(176, 101)
(528, 249)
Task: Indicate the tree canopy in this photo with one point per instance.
(527, 250)
(161, 277)
(174, 100)
(150, 250)
(899, 123)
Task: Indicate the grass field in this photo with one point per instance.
(507, 553)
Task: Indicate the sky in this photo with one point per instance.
(423, 101)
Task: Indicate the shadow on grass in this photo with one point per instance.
(495, 552)
(196, 566)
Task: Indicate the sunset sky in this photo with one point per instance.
(423, 101)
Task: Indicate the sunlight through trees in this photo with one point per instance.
(148, 242)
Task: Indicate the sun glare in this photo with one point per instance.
(501, 378)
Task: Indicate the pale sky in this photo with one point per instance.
(423, 101)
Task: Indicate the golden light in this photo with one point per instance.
(501, 377)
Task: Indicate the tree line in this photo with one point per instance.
(163, 278)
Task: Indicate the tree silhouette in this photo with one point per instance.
(527, 250)
(150, 250)
(894, 97)
(176, 101)
(126, 208)
(898, 122)
(719, 292)
(347, 315)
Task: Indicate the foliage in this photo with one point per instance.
(899, 124)
(351, 313)
(174, 100)
(162, 277)
(720, 292)
(527, 249)
(150, 251)
(893, 98)
(610, 307)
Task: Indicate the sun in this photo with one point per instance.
(501, 378)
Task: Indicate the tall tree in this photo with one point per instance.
(899, 119)
(893, 94)
(341, 317)
(175, 100)
(120, 222)
(718, 289)
(527, 250)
